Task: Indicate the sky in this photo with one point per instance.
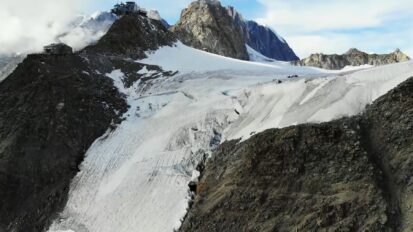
(171, 9)
(374, 26)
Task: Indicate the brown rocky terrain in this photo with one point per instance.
(353, 174)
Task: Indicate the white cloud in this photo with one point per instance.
(306, 44)
(28, 25)
(337, 14)
(336, 43)
(335, 26)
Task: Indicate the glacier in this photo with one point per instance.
(136, 177)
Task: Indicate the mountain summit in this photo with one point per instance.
(209, 26)
(132, 35)
(206, 25)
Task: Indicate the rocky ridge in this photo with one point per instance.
(54, 108)
(352, 174)
(353, 57)
(131, 36)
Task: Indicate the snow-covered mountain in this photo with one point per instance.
(352, 58)
(107, 139)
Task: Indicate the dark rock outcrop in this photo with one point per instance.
(353, 174)
(53, 107)
(131, 36)
(353, 57)
(262, 39)
(206, 25)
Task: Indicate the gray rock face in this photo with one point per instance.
(353, 57)
(206, 25)
(353, 174)
(263, 39)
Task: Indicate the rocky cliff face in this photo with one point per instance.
(353, 57)
(209, 26)
(206, 25)
(353, 174)
(53, 108)
(263, 39)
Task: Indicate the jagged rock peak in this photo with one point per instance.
(132, 35)
(214, 2)
(352, 57)
(206, 25)
(354, 51)
(400, 54)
